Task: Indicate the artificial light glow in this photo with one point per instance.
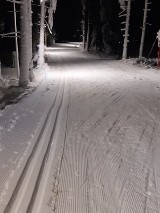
(57, 75)
(53, 75)
(75, 68)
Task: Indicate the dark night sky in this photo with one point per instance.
(68, 19)
(7, 43)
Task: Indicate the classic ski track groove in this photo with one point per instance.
(8, 208)
(34, 194)
(108, 160)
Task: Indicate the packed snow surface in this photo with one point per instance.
(94, 126)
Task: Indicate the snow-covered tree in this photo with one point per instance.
(84, 8)
(98, 30)
(42, 25)
(122, 4)
(88, 25)
(24, 50)
(51, 11)
(31, 74)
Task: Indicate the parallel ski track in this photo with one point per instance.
(31, 199)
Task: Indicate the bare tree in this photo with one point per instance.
(83, 2)
(143, 28)
(126, 34)
(88, 26)
(41, 45)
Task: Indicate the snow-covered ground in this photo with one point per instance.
(87, 140)
(10, 93)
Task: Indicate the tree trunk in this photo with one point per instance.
(83, 2)
(105, 8)
(24, 53)
(125, 46)
(31, 74)
(84, 30)
(41, 45)
(16, 40)
(88, 27)
(143, 29)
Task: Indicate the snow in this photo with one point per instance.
(97, 126)
(9, 90)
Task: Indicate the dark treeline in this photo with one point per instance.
(96, 22)
(101, 25)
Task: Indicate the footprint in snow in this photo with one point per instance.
(17, 117)
(12, 126)
(14, 121)
(1, 128)
(2, 147)
(4, 166)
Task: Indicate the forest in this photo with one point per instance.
(121, 28)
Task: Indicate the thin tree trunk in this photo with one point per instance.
(84, 30)
(104, 13)
(83, 2)
(88, 29)
(24, 53)
(41, 45)
(126, 35)
(30, 31)
(16, 39)
(143, 29)
(31, 74)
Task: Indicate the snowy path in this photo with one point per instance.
(87, 141)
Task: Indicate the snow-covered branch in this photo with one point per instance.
(122, 4)
(51, 11)
(8, 34)
(15, 1)
(49, 29)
